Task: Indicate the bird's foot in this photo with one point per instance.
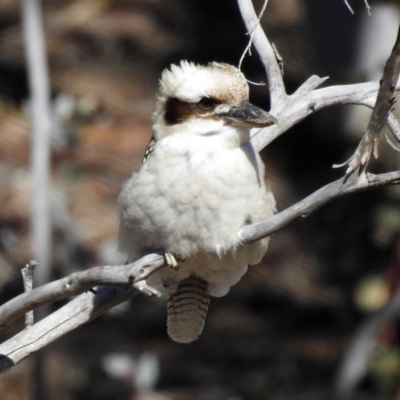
(170, 260)
(143, 287)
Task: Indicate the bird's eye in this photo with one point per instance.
(205, 103)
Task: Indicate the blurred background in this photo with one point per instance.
(283, 330)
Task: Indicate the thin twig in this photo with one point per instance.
(248, 47)
(367, 6)
(265, 51)
(348, 6)
(27, 277)
(352, 11)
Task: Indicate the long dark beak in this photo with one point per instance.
(248, 115)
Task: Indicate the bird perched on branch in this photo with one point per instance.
(200, 182)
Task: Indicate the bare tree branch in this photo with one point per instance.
(40, 157)
(392, 122)
(367, 6)
(76, 313)
(130, 274)
(41, 127)
(348, 6)
(27, 276)
(289, 110)
(351, 10)
(306, 101)
(305, 207)
(248, 47)
(265, 51)
(79, 282)
(384, 102)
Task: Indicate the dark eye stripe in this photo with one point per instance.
(177, 111)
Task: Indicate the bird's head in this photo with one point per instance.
(205, 100)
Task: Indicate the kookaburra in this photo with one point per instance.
(200, 182)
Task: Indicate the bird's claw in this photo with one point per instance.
(170, 260)
(143, 287)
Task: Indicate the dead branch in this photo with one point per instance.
(39, 88)
(366, 6)
(79, 282)
(306, 101)
(41, 129)
(27, 277)
(384, 102)
(265, 50)
(325, 195)
(83, 309)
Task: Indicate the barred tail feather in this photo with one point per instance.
(187, 309)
